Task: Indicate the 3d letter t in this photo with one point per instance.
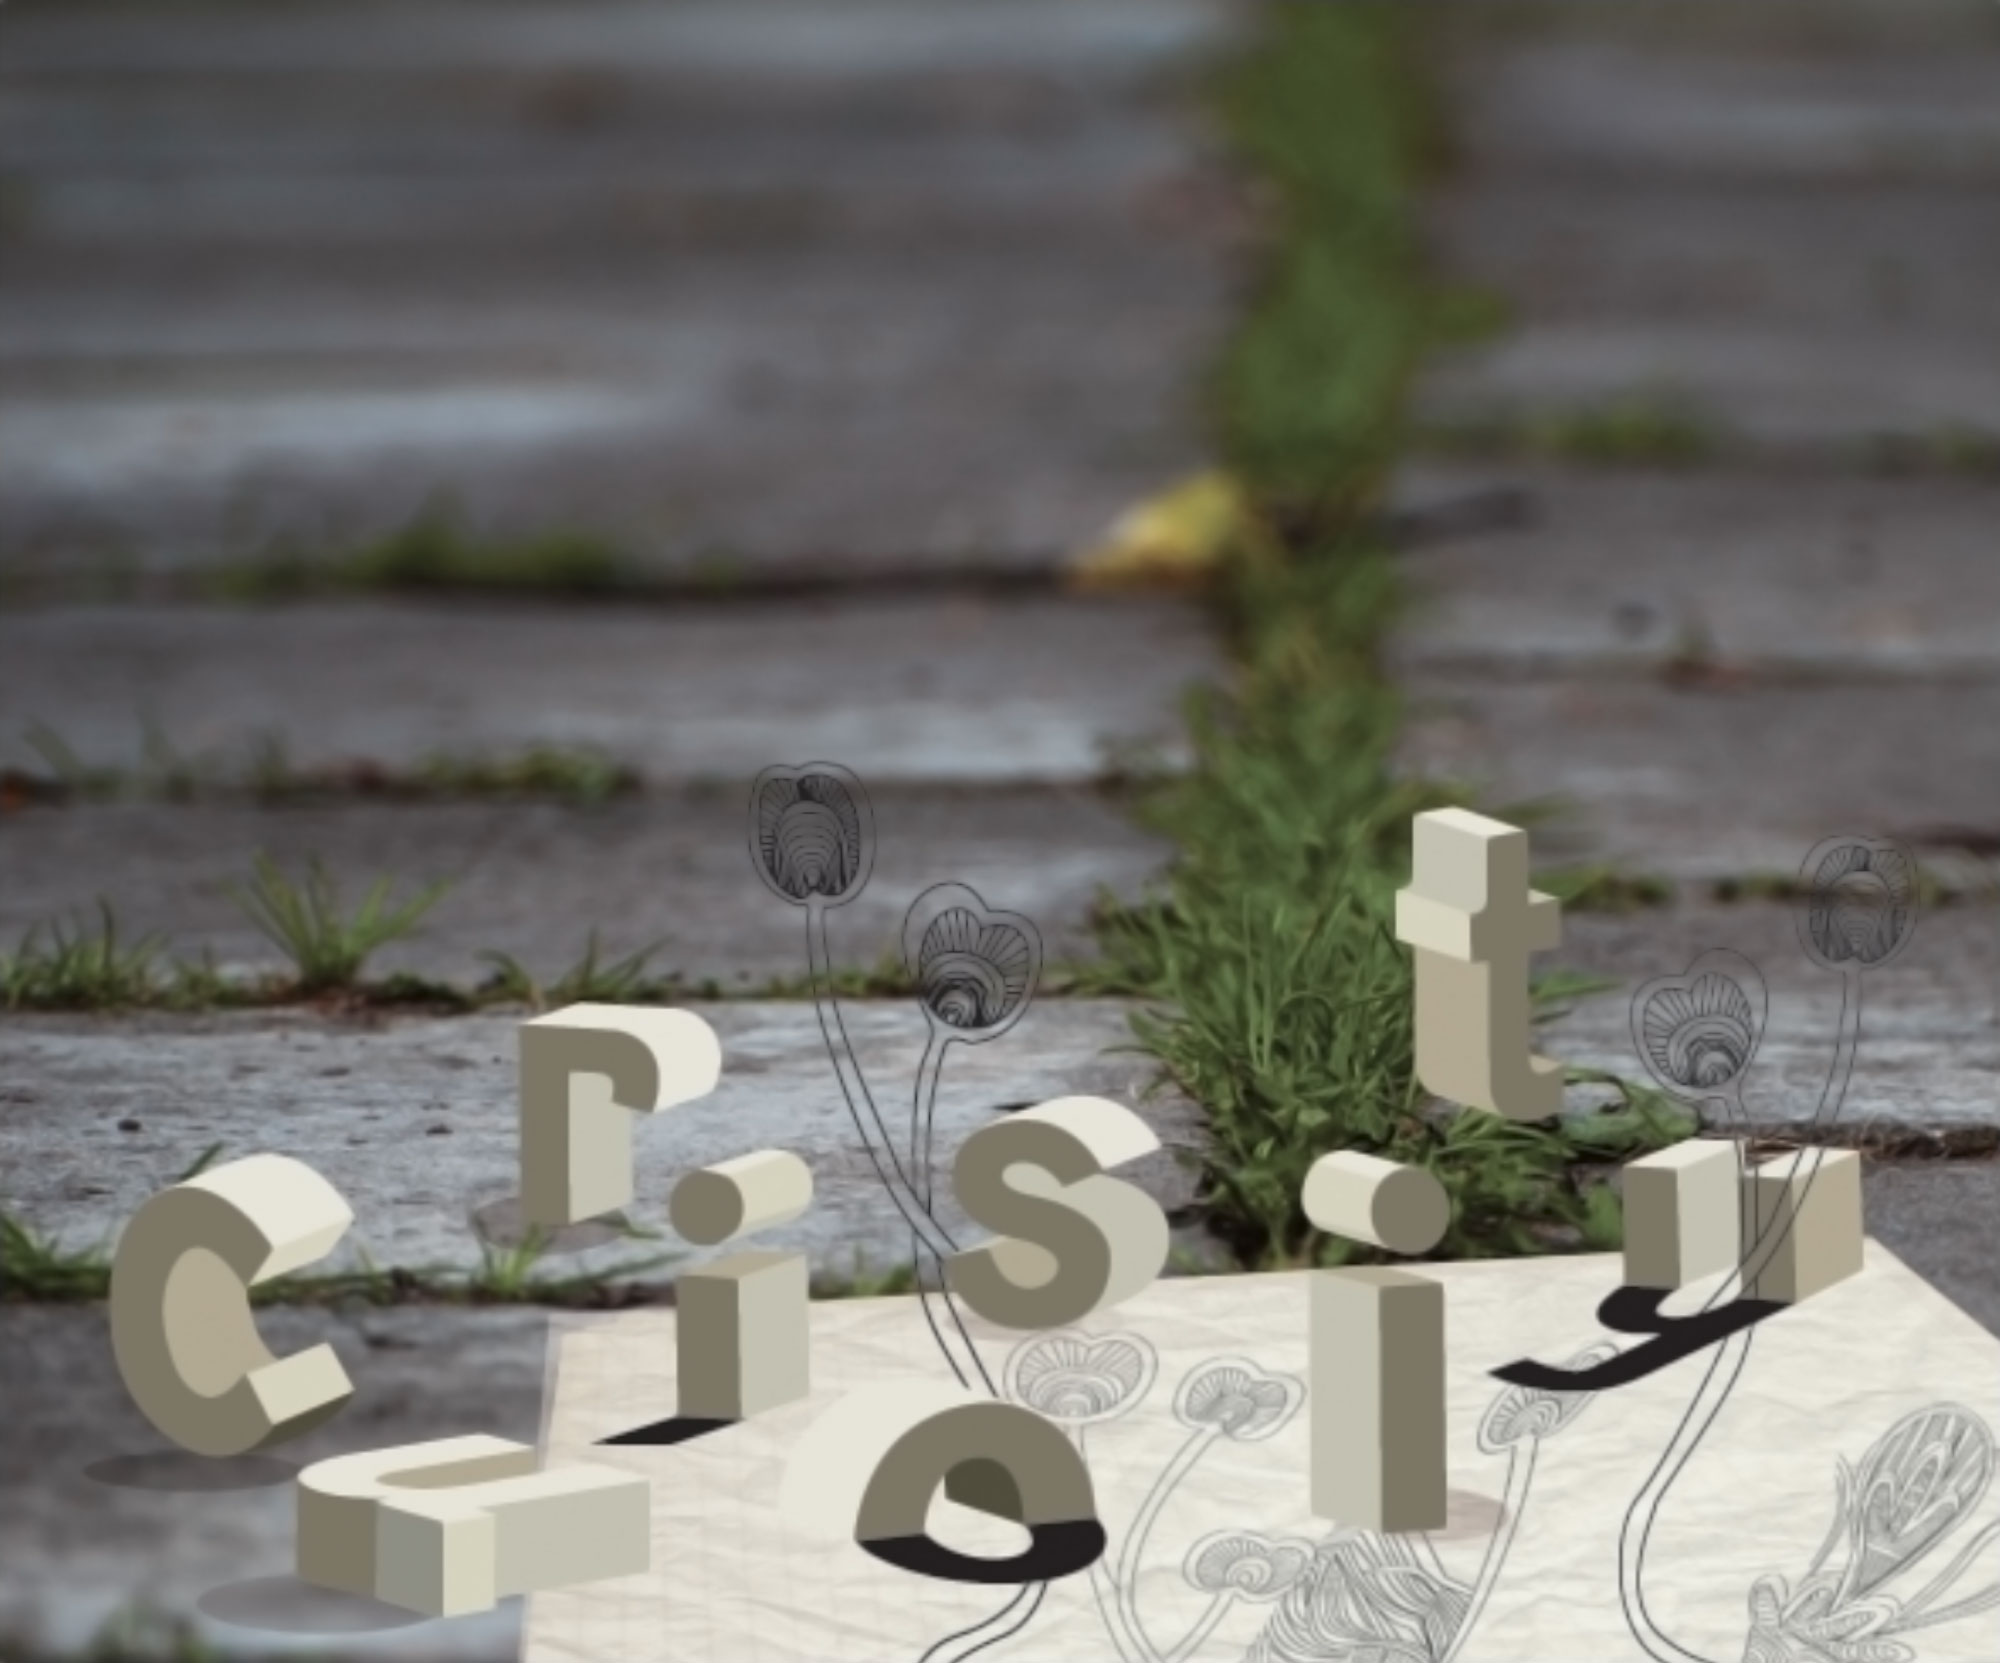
(1473, 921)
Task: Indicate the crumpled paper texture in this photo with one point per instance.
(1232, 1564)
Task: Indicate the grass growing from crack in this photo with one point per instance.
(434, 551)
(327, 944)
(621, 981)
(35, 1266)
(1642, 428)
(70, 967)
(1278, 996)
(858, 1282)
(267, 774)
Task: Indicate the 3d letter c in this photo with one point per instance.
(181, 1327)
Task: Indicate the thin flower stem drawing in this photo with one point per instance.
(1859, 912)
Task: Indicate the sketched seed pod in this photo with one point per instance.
(1697, 1032)
(1529, 1412)
(975, 968)
(1921, 1478)
(1859, 902)
(1247, 1564)
(1078, 1379)
(1235, 1397)
(812, 835)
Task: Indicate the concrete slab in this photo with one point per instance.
(760, 288)
(1772, 575)
(1783, 315)
(533, 880)
(1721, 778)
(1927, 1070)
(1665, 91)
(1777, 240)
(104, 1519)
(1939, 1217)
(957, 688)
(414, 1121)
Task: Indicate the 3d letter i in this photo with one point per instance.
(743, 1331)
(1377, 1333)
(1377, 1349)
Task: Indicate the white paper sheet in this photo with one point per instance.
(1822, 1383)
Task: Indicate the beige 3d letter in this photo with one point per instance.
(1383, 1203)
(715, 1204)
(1473, 921)
(1683, 1214)
(585, 1070)
(870, 1469)
(1082, 1240)
(458, 1524)
(1806, 1216)
(181, 1327)
(743, 1331)
(1377, 1399)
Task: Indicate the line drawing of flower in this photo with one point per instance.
(1518, 1421)
(1916, 1485)
(1234, 1398)
(1222, 1398)
(1860, 902)
(1232, 1565)
(1077, 1379)
(812, 834)
(1697, 1032)
(975, 970)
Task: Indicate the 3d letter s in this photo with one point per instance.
(1081, 1239)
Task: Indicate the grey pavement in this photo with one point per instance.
(1926, 1075)
(1774, 216)
(958, 687)
(1786, 236)
(771, 285)
(414, 1120)
(1719, 779)
(1768, 576)
(106, 1524)
(859, 320)
(668, 871)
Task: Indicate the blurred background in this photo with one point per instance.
(448, 448)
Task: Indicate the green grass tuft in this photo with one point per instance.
(434, 551)
(76, 968)
(861, 1283)
(1601, 888)
(327, 945)
(1636, 429)
(1328, 110)
(34, 1267)
(620, 982)
(1277, 994)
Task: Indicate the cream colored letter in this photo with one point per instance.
(457, 1524)
(585, 1070)
(1082, 1240)
(1473, 921)
(181, 1327)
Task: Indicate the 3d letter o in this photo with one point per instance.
(870, 1467)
